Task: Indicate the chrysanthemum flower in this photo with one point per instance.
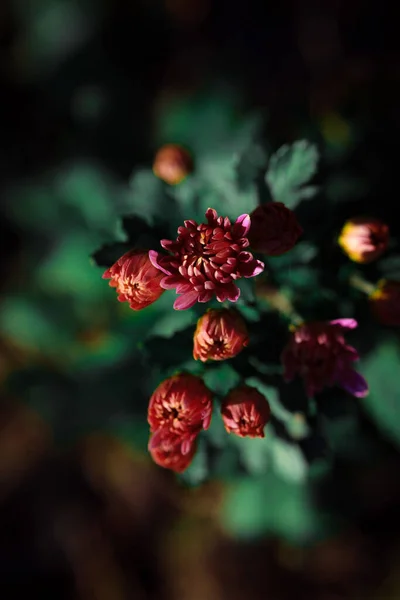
(319, 354)
(135, 279)
(172, 164)
(166, 450)
(220, 334)
(245, 412)
(274, 229)
(206, 260)
(181, 404)
(385, 302)
(364, 239)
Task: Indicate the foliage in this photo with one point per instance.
(94, 363)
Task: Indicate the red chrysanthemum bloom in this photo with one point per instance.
(220, 334)
(274, 229)
(135, 279)
(385, 302)
(363, 239)
(245, 412)
(166, 450)
(172, 164)
(318, 352)
(206, 260)
(182, 404)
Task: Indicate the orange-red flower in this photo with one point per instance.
(245, 412)
(274, 229)
(166, 450)
(135, 279)
(206, 260)
(220, 334)
(385, 302)
(364, 239)
(172, 164)
(318, 352)
(181, 404)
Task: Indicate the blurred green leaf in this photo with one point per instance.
(288, 461)
(147, 197)
(221, 378)
(269, 505)
(381, 369)
(197, 472)
(28, 324)
(290, 168)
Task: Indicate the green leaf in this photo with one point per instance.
(197, 472)
(381, 370)
(255, 453)
(288, 461)
(290, 168)
(221, 378)
(96, 196)
(147, 197)
(269, 505)
(28, 324)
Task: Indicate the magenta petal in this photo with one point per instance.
(345, 323)
(170, 282)
(252, 269)
(242, 226)
(233, 293)
(186, 300)
(156, 260)
(353, 382)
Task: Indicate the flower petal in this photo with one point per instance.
(186, 300)
(156, 259)
(345, 323)
(241, 226)
(353, 382)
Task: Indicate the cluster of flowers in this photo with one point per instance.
(181, 407)
(205, 262)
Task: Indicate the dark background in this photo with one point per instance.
(95, 520)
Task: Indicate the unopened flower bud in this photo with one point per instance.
(274, 229)
(245, 412)
(385, 302)
(220, 334)
(172, 164)
(364, 239)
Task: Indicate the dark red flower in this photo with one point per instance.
(318, 352)
(136, 280)
(172, 164)
(182, 404)
(364, 239)
(206, 260)
(274, 229)
(166, 450)
(385, 302)
(245, 412)
(220, 334)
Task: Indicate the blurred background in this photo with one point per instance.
(89, 89)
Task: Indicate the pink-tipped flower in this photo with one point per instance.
(274, 229)
(220, 334)
(385, 302)
(166, 450)
(206, 260)
(172, 164)
(135, 279)
(363, 239)
(182, 404)
(245, 412)
(319, 353)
